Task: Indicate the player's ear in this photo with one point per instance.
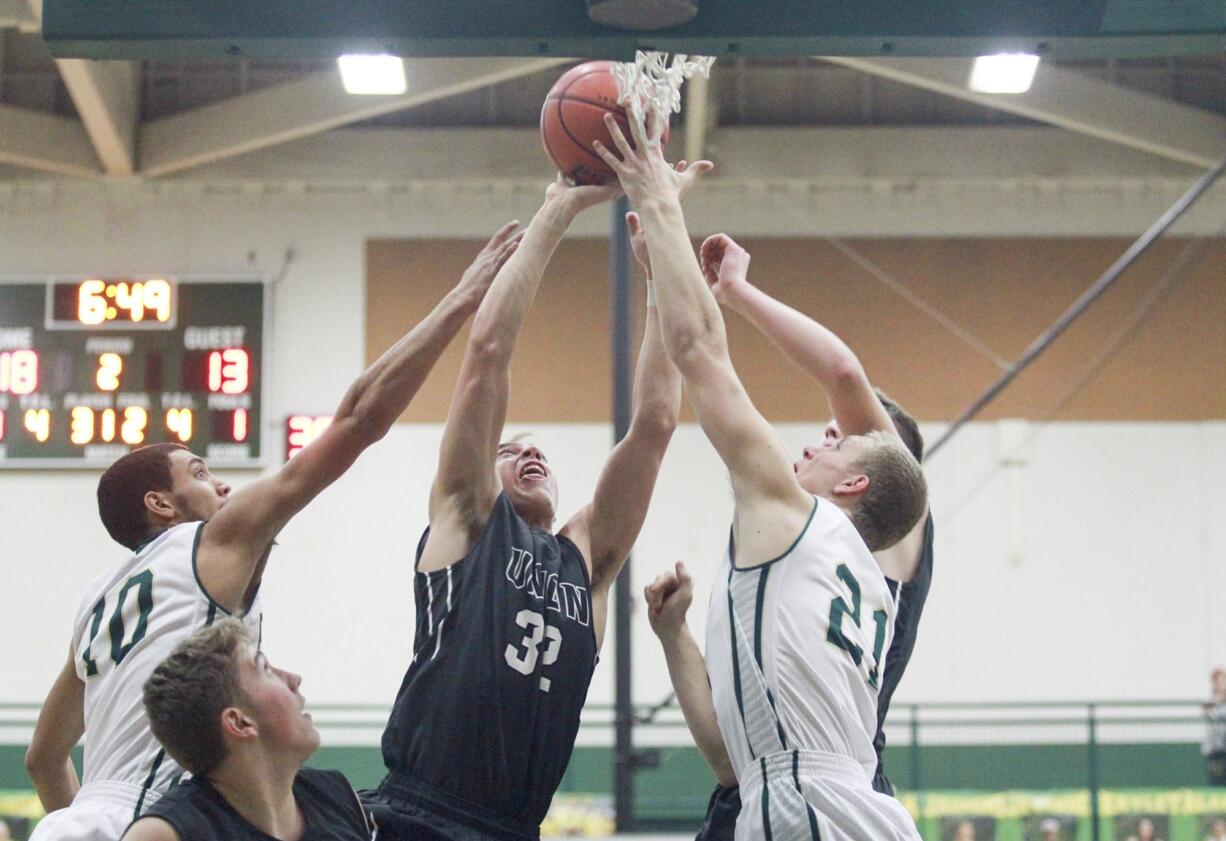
(852, 485)
(235, 724)
(159, 504)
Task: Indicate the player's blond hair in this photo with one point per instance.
(188, 691)
(897, 494)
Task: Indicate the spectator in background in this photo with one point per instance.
(1214, 747)
(1145, 831)
(1049, 829)
(5, 833)
(1218, 830)
(964, 831)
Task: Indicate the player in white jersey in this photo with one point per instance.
(797, 709)
(198, 554)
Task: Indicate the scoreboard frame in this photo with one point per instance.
(259, 460)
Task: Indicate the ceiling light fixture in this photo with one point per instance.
(373, 75)
(1004, 73)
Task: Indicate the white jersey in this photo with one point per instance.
(795, 653)
(131, 618)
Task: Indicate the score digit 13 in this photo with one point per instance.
(229, 371)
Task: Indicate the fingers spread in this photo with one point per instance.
(608, 157)
(619, 137)
(638, 130)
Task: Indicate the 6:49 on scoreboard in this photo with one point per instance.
(91, 368)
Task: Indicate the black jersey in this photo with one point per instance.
(487, 714)
(329, 807)
(910, 597)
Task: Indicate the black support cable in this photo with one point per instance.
(1087, 298)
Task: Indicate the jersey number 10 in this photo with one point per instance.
(143, 584)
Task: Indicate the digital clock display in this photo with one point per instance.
(112, 304)
(92, 368)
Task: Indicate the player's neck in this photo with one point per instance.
(261, 789)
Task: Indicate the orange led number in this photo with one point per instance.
(110, 366)
(19, 371)
(38, 424)
(179, 421)
(229, 371)
(301, 430)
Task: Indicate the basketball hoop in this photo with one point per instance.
(651, 84)
(642, 14)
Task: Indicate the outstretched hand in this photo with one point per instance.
(725, 267)
(642, 171)
(581, 196)
(476, 280)
(668, 600)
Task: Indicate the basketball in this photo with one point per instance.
(573, 117)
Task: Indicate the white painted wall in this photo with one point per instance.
(1091, 571)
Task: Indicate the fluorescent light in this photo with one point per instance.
(379, 75)
(1004, 73)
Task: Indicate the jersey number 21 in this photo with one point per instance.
(839, 611)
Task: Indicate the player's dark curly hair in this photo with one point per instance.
(186, 695)
(122, 489)
(904, 425)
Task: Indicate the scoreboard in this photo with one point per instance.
(91, 368)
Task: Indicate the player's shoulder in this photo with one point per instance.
(831, 523)
(190, 803)
(151, 828)
(189, 791)
(332, 790)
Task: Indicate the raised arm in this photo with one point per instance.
(812, 347)
(668, 600)
(61, 723)
(763, 478)
(236, 538)
(465, 486)
(609, 526)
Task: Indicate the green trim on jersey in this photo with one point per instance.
(196, 574)
(795, 543)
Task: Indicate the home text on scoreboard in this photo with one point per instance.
(91, 368)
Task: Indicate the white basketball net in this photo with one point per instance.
(652, 83)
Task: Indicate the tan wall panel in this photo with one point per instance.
(1006, 292)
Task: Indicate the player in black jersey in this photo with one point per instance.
(510, 613)
(857, 409)
(236, 722)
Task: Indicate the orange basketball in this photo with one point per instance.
(573, 117)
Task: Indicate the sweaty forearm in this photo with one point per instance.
(56, 785)
(688, 672)
(689, 317)
(383, 392)
(502, 314)
(657, 384)
(808, 344)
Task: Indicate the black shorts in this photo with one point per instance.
(408, 811)
(722, 811)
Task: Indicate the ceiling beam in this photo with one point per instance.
(1075, 102)
(46, 142)
(310, 105)
(16, 14)
(105, 94)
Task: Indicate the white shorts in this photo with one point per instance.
(101, 811)
(811, 795)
